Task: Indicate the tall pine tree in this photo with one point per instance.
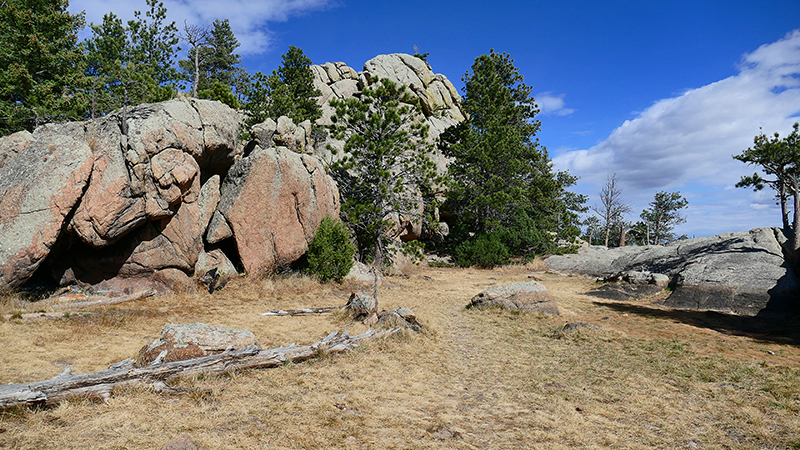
(504, 189)
(217, 64)
(134, 64)
(41, 64)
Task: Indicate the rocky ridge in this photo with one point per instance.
(742, 272)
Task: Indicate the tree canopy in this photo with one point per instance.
(503, 182)
(132, 64)
(41, 64)
(212, 64)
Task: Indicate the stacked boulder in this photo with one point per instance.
(86, 203)
(439, 101)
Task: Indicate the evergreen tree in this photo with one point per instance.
(288, 91)
(778, 158)
(41, 64)
(134, 64)
(213, 62)
(503, 181)
(662, 216)
(386, 166)
(295, 72)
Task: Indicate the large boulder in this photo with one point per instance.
(147, 173)
(40, 183)
(274, 200)
(522, 296)
(742, 272)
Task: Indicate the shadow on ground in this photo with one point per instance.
(783, 330)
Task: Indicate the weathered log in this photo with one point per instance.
(156, 376)
(103, 301)
(301, 311)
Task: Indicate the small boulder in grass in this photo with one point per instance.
(361, 306)
(193, 340)
(522, 296)
(399, 317)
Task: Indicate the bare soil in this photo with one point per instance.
(475, 379)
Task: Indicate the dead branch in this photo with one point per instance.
(301, 311)
(103, 301)
(156, 376)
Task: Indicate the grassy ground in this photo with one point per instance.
(490, 379)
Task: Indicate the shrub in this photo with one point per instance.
(484, 251)
(330, 254)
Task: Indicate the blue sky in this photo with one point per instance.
(661, 93)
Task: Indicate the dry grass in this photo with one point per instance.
(650, 378)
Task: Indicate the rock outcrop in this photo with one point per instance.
(742, 272)
(439, 99)
(84, 203)
(290, 192)
(167, 190)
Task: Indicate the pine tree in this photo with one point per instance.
(133, 64)
(503, 183)
(213, 62)
(41, 64)
(662, 216)
(295, 72)
(386, 166)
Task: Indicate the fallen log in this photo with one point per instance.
(67, 385)
(301, 311)
(104, 301)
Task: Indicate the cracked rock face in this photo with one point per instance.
(743, 272)
(39, 186)
(274, 200)
(116, 204)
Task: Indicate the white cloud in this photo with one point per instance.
(552, 104)
(686, 142)
(248, 18)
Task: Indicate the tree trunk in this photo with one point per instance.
(784, 206)
(196, 71)
(100, 384)
(796, 223)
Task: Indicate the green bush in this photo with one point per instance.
(330, 255)
(485, 251)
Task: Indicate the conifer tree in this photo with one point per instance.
(386, 165)
(214, 63)
(41, 64)
(503, 183)
(134, 64)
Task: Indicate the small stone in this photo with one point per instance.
(184, 442)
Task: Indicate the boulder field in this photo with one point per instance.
(173, 192)
(742, 272)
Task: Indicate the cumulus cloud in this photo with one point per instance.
(248, 19)
(552, 104)
(686, 142)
